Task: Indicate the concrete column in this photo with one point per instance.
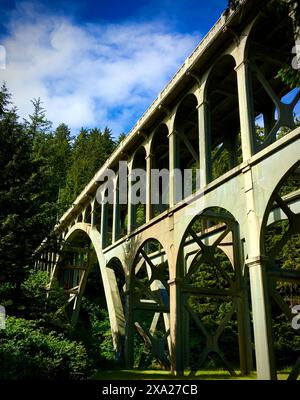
(84, 215)
(130, 206)
(244, 329)
(176, 330)
(245, 110)
(174, 190)
(48, 262)
(261, 312)
(116, 215)
(149, 210)
(93, 214)
(204, 144)
(104, 223)
(52, 263)
(262, 322)
(129, 331)
(172, 165)
(82, 285)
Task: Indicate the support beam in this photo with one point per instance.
(81, 289)
(188, 144)
(149, 209)
(176, 329)
(262, 323)
(130, 221)
(104, 225)
(116, 215)
(204, 144)
(173, 164)
(246, 110)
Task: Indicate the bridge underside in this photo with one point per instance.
(193, 266)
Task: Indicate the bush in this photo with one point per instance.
(44, 304)
(26, 352)
(93, 329)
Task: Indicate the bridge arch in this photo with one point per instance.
(112, 295)
(138, 211)
(210, 250)
(159, 153)
(223, 119)
(279, 239)
(275, 106)
(291, 169)
(148, 306)
(186, 142)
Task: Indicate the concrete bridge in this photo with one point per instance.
(227, 113)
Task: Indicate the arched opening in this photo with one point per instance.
(280, 242)
(147, 335)
(97, 216)
(138, 188)
(88, 214)
(186, 151)
(223, 118)
(160, 162)
(275, 104)
(116, 266)
(214, 300)
(79, 218)
(79, 274)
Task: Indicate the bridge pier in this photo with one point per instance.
(176, 328)
(262, 323)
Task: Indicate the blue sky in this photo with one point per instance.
(98, 63)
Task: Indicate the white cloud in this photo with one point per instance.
(89, 75)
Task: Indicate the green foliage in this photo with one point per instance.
(21, 200)
(27, 352)
(286, 343)
(121, 137)
(41, 173)
(289, 76)
(93, 329)
(90, 151)
(44, 303)
(211, 310)
(37, 123)
(285, 256)
(140, 214)
(224, 158)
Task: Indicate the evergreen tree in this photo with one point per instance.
(60, 159)
(121, 137)
(21, 205)
(38, 123)
(90, 151)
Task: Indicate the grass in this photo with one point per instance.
(135, 374)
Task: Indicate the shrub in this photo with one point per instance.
(27, 352)
(44, 304)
